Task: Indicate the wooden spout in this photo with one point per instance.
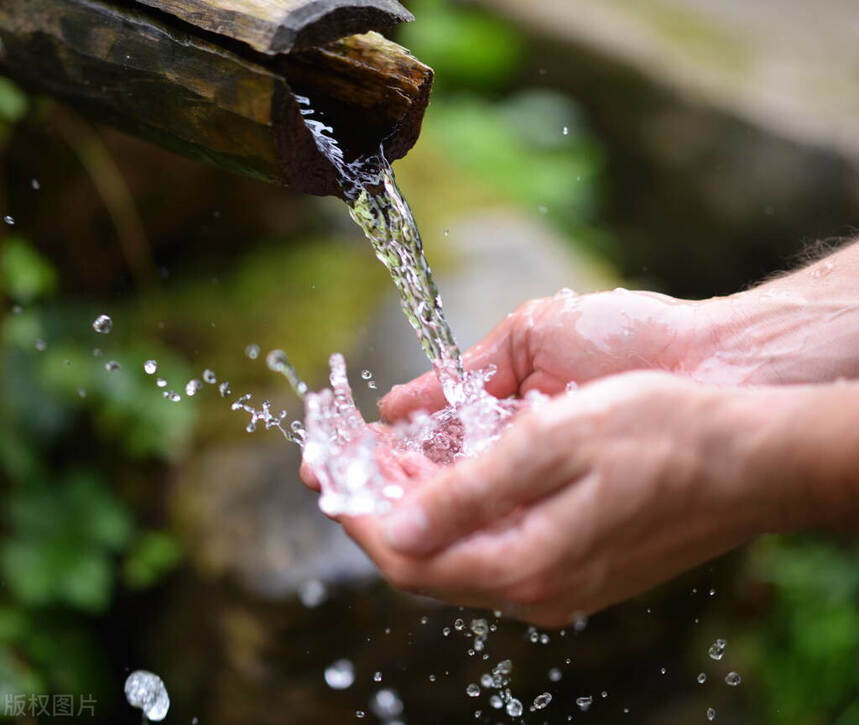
(215, 79)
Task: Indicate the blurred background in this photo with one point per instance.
(688, 146)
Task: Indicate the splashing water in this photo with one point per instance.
(146, 691)
(354, 461)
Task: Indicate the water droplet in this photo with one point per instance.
(496, 702)
(662, 671)
(224, 389)
(35, 185)
(580, 621)
(161, 382)
(81, 393)
(17, 309)
(111, 366)
(604, 694)
(340, 675)
(360, 714)
(150, 367)
(565, 130)
(733, 679)
(312, 593)
(584, 703)
(712, 592)
(711, 713)
(544, 639)
(40, 345)
(252, 351)
(446, 631)
(377, 677)
(447, 232)
(717, 649)
(371, 384)
(543, 209)
(209, 376)
(366, 374)
(514, 707)
(702, 678)
(458, 624)
(192, 387)
(146, 691)
(473, 690)
(541, 702)
(432, 678)
(386, 704)
(102, 324)
(555, 674)
(10, 220)
(480, 627)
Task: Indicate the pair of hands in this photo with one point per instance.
(642, 472)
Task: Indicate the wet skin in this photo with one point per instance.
(677, 445)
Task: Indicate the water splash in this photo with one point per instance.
(360, 466)
(145, 690)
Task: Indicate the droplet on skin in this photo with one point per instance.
(150, 367)
(146, 691)
(102, 324)
(340, 675)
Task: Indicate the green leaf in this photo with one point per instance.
(13, 102)
(26, 274)
(155, 555)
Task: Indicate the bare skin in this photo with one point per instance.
(680, 444)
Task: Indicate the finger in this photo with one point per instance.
(530, 461)
(308, 476)
(471, 572)
(424, 392)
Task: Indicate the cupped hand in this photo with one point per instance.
(590, 498)
(550, 342)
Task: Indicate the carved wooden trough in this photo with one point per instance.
(216, 79)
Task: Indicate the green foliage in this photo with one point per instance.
(518, 147)
(808, 647)
(26, 275)
(154, 554)
(467, 47)
(13, 102)
(68, 533)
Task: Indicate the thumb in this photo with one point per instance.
(524, 465)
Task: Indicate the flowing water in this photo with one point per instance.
(360, 467)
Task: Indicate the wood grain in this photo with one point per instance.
(279, 26)
(188, 94)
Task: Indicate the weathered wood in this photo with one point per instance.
(279, 26)
(188, 94)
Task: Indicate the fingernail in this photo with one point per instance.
(406, 529)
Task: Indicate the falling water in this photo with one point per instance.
(361, 468)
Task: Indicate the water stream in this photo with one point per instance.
(361, 468)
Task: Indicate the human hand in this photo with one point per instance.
(547, 343)
(593, 497)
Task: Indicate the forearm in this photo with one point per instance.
(800, 328)
(800, 447)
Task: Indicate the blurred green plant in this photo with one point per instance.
(69, 536)
(806, 650)
(466, 46)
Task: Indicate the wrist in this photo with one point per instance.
(796, 452)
